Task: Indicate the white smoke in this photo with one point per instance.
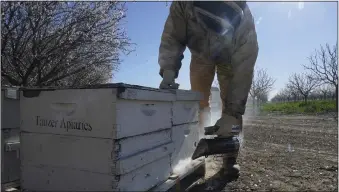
(182, 166)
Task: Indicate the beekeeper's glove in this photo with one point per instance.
(168, 80)
(228, 126)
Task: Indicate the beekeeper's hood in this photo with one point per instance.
(221, 17)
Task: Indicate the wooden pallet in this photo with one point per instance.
(185, 180)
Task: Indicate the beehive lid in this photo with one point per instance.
(124, 91)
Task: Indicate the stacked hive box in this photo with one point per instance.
(10, 130)
(112, 137)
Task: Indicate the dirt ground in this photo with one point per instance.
(285, 153)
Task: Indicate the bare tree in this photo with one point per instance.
(325, 91)
(54, 43)
(262, 83)
(286, 94)
(324, 66)
(282, 96)
(315, 95)
(262, 97)
(293, 92)
(303, 83)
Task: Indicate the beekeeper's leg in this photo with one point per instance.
(224, 75)
(201, 77)
(201, 80)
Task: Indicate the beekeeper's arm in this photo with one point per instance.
(173, 45)
(243, 61)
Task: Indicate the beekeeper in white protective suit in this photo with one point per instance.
(222, 39)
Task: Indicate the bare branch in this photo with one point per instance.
(324, 64)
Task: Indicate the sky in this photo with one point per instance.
(288, 33)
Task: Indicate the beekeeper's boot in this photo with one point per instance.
(230, 168)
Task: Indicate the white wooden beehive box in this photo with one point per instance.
(111, 137)
(10, 130)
